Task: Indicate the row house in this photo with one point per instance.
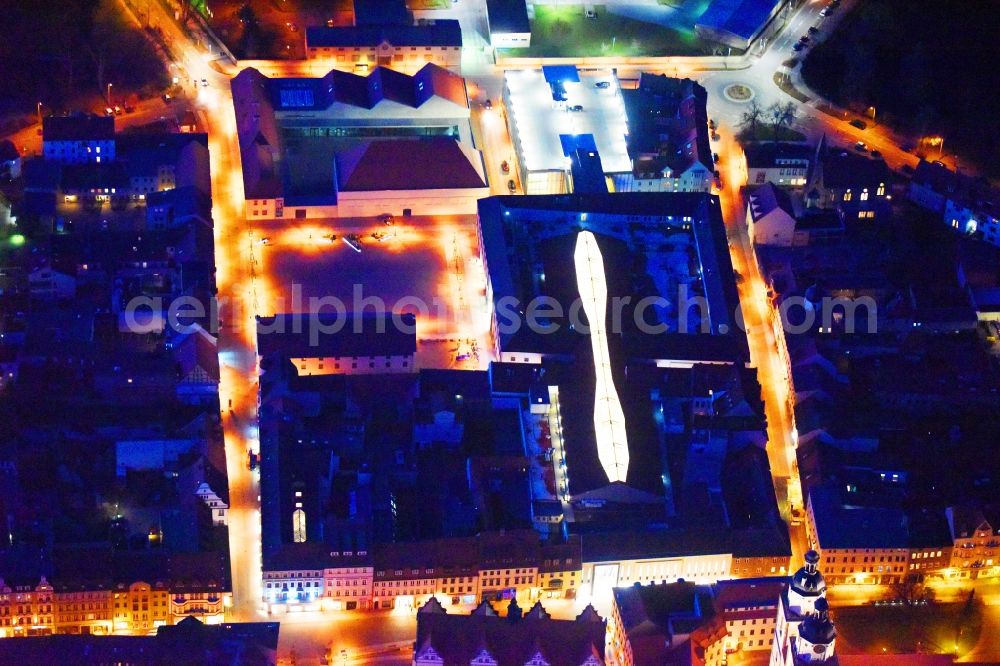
(78, 139)
(860, 545)
(967, 205)
(975, 533)
(27, 610)
(404, 48)
(83, 609)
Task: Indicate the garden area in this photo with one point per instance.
(564, 31)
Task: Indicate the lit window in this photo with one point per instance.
(299, 526)
(847, 195)
(864, 194)
(881, 189)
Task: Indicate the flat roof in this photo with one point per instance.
(540, 124)
(508, 16)
(328, 335)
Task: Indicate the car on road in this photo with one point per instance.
(575, 107)
(167, 99)
(876, 154)
(266, 240)
(826, 11)
(804, 39)
(487, 105)
(512, 186)
(505, 167)
(602, 84)
(204, 83)
(813, 30)
(860, 124)
(861, 147)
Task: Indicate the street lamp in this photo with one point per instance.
(871, 109)
(109, 93)
(38, 110)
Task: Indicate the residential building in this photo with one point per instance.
(519, 638)
(406, 48)
(78, 139)
(665, 623)
(968, 205)
(27, 609)
(508, 22)
(668, 137)
(749, 607)
(140, 607)
(782, 164)
(770, 216)
(975, 533)
(856, 186)
(325, 344)
(252, 643)
(294, 575)
(860, 544)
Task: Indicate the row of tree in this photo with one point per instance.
(778, 117)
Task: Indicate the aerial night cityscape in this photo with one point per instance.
(499, 332)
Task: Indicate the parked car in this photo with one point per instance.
(204, 83)
(266, 240)
(861, 147)
(602, 84)
(798, 46)
(576, 107)
(826, 11)
(813, 30)
(512, 186)
(505, 167)
(386, 219)
(860, 124)
(487, 105)
(591, 14)
(118, 110)
(804, 39)
(876, 154)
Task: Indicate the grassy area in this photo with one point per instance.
(564, 31)
(781, 80)
(766, 133)
(935, 628)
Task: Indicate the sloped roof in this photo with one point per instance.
(459, 639)
(767, 198)
(409, 164)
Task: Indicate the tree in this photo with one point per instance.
(752, 118)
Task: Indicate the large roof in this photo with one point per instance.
(742, 18)
(459, 639)
(409, 164)
(843, 525)
(444, 32)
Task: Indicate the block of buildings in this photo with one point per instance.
(78, 139)
(349, 145)
(518, 638)
(404, 47)
(668, 137)
(975, 533)
(967, 205)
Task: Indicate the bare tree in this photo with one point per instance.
(752, 118)
(780, 115)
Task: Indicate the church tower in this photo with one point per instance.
(803, 632)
